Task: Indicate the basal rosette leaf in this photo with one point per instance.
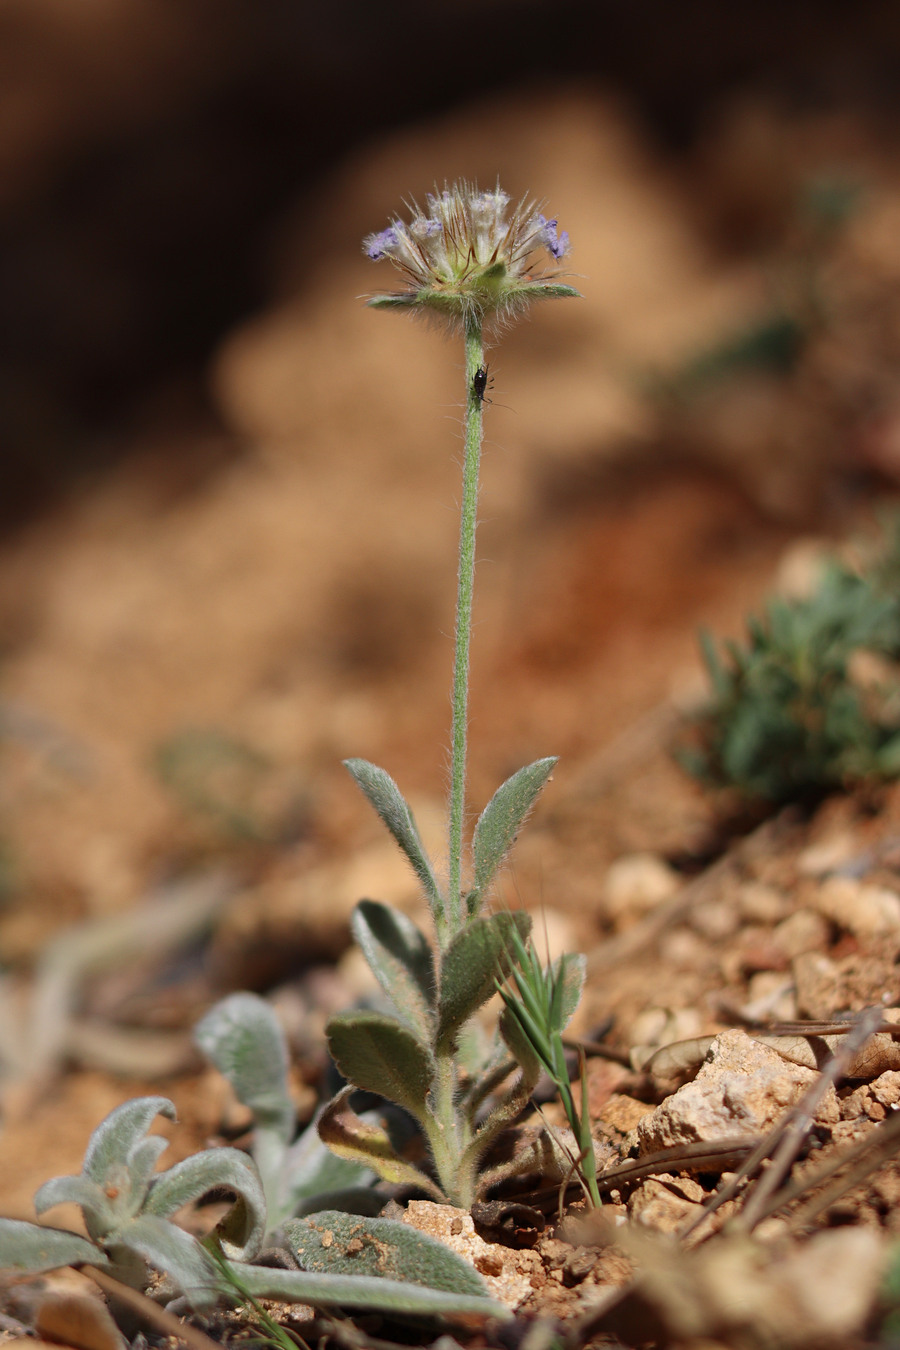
(242, 1037)
(123, 1130)
(31, 1248)
(213, 1169)
(470, 967)
(381, 790)
(401, 960)
(335, 1243)
(382, 1055)
(170, 1249)
(98, 1209)
(364, 1292)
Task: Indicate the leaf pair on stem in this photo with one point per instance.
(412, 1056)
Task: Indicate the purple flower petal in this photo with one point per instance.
(377, 246)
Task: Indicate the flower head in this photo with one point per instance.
(468, 256)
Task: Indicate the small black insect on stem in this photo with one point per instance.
(480, 382)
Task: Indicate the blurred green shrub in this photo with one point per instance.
(810, 701)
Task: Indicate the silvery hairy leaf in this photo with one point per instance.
(31, 1247)
(388, 801)
(170, 1249)
(98, 1209)
(470, 967)
(362, 1141)
(213, 1169)
(243, 1038)
(123, 1130)
(401, 959)
(117, 1168)
(347, 1244)
(500, 822)
(379, 1054)
(363, 1291)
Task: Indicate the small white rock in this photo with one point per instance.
(635, 884)
(741, 1088)
(864, 910)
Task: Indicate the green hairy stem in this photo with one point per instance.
(474, 430)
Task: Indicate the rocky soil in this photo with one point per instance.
(193, 643)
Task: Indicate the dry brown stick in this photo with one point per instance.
(151, 1312)
(869, 1155)
(785, 1138)
(701, 1156)
(800, 1119)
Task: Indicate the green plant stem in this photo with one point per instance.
(465, 587)
(444, 1139)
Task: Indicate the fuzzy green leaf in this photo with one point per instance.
(114, 1139)
(347, 1244)
(379, 1054)
(213, 1169)
(501, 821)
(401, 960)
(470, 967)
(388, 801)
(32, 1248)
(350, 1137)
(363, 1291)
(99, 1211)
(243, 1038)
(170, 1249)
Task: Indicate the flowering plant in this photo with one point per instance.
(469, 259)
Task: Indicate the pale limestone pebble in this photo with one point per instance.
(654, 1204)
(830, 1284)
(847, 1133)
(660, 1027)
(716, 919)
(657, 1026)
(508, 1274)
(874, 1100)
(682, 949)
(759, 903)
(803, 931)
(812, 1295)
(817, 981)
(554, 933)
(770, 997)
(623, 1113)
(859, 908)
(742, 1088)
(753, 950)
(827, 855)
(635, 884)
